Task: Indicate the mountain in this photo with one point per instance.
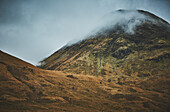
(136, 46)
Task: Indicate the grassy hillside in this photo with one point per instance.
(27, 88)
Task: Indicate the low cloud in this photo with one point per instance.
(126, 19)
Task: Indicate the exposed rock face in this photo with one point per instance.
(144, 53)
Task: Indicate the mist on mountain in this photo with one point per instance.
(126, 19)
(120, 21)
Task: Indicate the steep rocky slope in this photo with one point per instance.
(114, 52)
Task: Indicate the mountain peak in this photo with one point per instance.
(113, 49)
(143, 12)
(127, 21)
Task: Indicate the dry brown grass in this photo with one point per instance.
(25, 87)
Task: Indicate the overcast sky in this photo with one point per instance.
(34, 29)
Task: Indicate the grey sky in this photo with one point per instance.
(33, 29)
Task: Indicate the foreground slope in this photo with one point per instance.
(27, 88)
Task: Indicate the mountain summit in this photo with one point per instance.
(127, 20)
(113, 50)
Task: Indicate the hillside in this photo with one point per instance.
(27, 88)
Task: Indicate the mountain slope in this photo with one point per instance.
(113, 50)
(132, 72)
(27, 88)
